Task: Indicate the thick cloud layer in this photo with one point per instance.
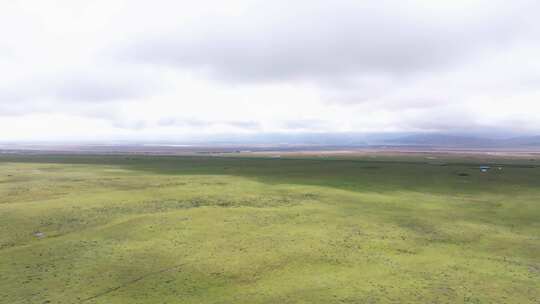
(323, 39)
(168, 69)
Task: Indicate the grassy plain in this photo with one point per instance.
(150, 229)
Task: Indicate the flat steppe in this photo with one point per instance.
(275, 228)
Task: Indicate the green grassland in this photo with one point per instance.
(162, 229)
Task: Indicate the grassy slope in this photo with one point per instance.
(227, 230)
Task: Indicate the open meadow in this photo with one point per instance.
(201, 229)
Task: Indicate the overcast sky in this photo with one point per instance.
(134, 69)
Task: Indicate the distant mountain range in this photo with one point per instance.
(446, 140)
(373, 139)
(533, 141)
(337, 140)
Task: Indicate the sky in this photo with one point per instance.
(174, 70)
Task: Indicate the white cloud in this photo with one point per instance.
(121, 69)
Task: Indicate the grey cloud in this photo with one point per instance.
(12, 108)
(97, 90)
(16, 100)
(38, 93)
(305, 124)
(447, 119)
(186, 122)
(71, 91)
(197, 123)
(359, 66)
(11, 95)
(248, 125)
(313, 40)
(130, 125)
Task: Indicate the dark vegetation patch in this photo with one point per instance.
(156, 206)
(341, 173)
